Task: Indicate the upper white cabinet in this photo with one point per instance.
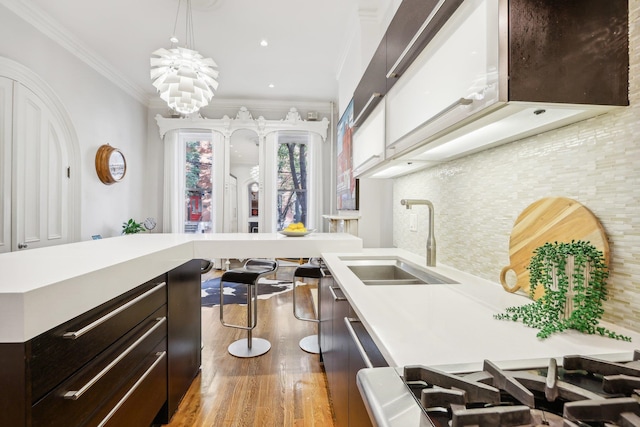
(455, 76)
(368, 141)
(500, 70)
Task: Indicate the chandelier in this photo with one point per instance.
(184, 78)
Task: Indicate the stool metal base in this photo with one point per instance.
(240, 348)
(310, 344)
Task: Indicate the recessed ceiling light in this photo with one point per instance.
(271, 85)
(264, 43)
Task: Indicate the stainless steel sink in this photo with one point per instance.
(393, 272)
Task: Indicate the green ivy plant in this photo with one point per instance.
(132, 227)
(548, 313)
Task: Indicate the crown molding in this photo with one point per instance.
(267, 104)
(52, 29)
(262, 105)
(244, 120)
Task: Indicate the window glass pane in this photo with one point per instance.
(292, 181)
(198, 187)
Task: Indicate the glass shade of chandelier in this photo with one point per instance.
(184, 78)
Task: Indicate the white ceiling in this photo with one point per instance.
(307, 41)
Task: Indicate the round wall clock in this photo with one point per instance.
(111, 165)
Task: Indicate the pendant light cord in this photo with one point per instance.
(190, 41)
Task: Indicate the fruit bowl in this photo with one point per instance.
(293, 233)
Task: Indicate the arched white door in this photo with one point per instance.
(41, 172)
(39, 205)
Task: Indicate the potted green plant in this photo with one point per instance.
(132, 227)
(574, 278)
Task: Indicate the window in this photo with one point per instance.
(198, 199)
(292, 185)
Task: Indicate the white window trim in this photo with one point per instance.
(174, 179)
(266, 130)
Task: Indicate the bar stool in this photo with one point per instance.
(310, 270)
(249, 275)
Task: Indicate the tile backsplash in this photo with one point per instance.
(478, 198)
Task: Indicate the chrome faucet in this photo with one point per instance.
(431, 239)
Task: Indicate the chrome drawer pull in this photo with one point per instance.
(133, 388)
(354, 337)
(77, 334)
(76, 394)
(332, 289)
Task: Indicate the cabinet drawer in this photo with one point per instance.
(58, 353)
(142, 398)
(104, 379)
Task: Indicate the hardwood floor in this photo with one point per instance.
(284, 387)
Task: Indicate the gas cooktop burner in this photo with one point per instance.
(584, 392)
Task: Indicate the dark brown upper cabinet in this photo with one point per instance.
(372, 86)
(569, 51)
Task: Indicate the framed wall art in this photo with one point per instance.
(346, 184)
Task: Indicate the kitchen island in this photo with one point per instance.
(107, 332)
(44, 287)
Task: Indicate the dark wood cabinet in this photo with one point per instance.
(127, 362)
(340, 335)
(372, 86)
(76, 342)
(80, 397)
(137, 409)
(574, 52)
(334, 346)
(184, 335)
(15, 400)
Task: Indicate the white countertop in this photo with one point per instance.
(41, 288)
(452, 325)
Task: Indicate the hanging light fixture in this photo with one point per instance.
(183, 77)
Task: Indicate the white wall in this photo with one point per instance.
(375, 226)
(478, 198)
(95, 106)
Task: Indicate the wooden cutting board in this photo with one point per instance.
(552, 219)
